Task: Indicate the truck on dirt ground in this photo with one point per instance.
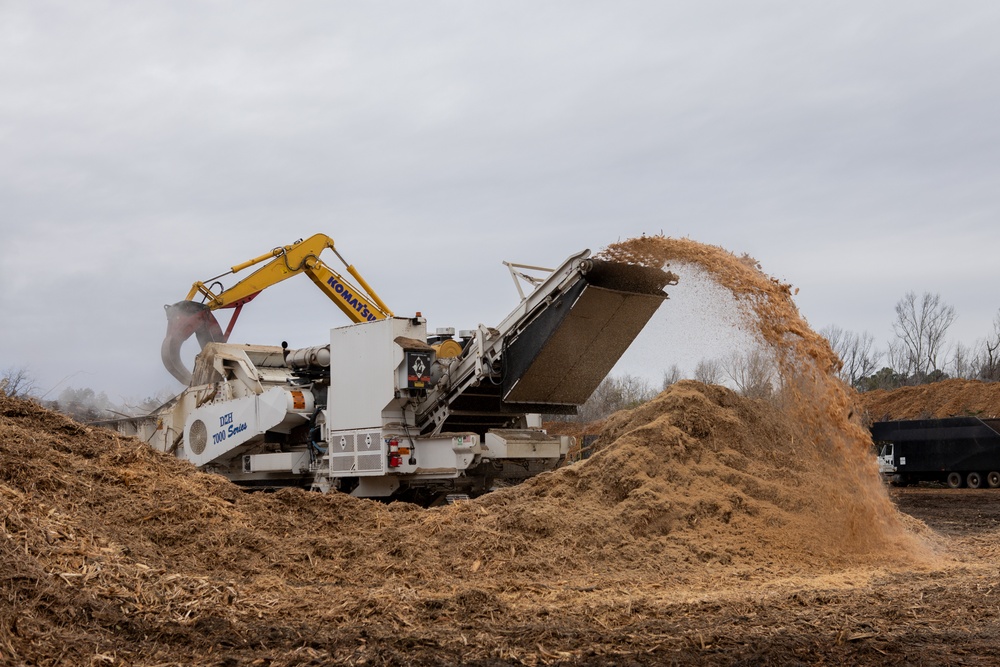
(957, 451)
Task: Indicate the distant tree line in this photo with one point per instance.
(83, 405)
(752, 374)
(919, 352)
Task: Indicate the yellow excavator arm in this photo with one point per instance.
(190, 317)
(360, 305)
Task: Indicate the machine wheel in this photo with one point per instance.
(993, 479)
(974, 480)
(954, 480)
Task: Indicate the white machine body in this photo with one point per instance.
(378, 412)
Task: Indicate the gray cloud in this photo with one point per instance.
(850, 147)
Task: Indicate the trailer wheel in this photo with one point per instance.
(954, 480)
(974, 480)
(993, 479)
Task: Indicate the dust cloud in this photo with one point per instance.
(700, 322)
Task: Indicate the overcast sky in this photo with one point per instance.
(853, 148)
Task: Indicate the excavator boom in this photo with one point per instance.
(189, 317)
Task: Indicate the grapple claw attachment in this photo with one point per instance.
(185, 318)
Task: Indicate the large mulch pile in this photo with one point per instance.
(115, 553)
(698, 505)
(948, 398)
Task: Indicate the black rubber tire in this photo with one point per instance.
(954, 480)
(974, 480)
(993, 479)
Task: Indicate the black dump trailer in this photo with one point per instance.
(958, 451)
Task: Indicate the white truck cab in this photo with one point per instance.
(886, 464)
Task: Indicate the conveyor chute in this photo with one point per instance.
(565, 352)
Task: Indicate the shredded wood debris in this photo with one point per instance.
(706, 527)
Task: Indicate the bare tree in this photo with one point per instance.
(709, 371)
(752, 373)
(898, 360)
(920, 326)
(671, 376)
(963, 362)
(16, 381)
(613, 394)
(835, 336)
(885, 378)
(855, 351)
(987, 360)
